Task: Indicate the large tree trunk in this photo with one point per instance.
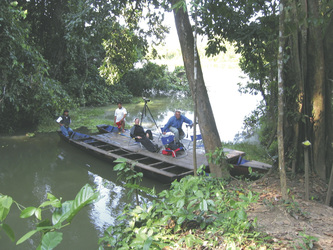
(328, 51)
(298, 74)
(206, 118)
(316, 82)
(283, 179)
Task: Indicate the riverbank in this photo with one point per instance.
(205, 213)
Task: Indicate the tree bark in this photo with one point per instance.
(206, 118)
(283, 179)
(316, 81)
(297, 51)
(328, 51)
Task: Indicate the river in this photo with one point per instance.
(32, 167)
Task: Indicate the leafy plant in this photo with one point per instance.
(126, 172)
(307, 241)
(191, 205)
(62, 215)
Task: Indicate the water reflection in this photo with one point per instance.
(32, 167)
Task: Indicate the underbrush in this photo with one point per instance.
(195, 213)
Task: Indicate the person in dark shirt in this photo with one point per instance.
(64, 121)
(144, 137)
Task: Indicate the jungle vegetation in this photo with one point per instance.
(56, 54)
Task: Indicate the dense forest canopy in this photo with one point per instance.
(62, 54)
(57, 54)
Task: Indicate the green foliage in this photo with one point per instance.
(62, 215)
(154, 79)
(122, 51)
(307, 241)
(191, 205)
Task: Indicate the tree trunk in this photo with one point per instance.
(328, 51)
(206, 118)
(316, 81)
(283, 179)
(297, 50)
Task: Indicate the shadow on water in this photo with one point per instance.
(33, 167)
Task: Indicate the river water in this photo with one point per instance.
(32, 167)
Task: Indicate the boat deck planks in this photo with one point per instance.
(114, 146)
(123, 140)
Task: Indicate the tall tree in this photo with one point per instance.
(308, 104)
(205, 114)
(280, 137)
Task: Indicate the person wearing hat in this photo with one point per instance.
(119, 117)
(64, 121)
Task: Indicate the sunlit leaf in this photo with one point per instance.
(5, 204)
(38, 213)
(53, 201)
(85, 196)
(203, 205)
(180, 203)
(29, 211)
(199, 194)
(61, 214)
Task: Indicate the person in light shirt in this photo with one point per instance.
(119, 117)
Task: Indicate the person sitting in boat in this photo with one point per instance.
(64, 121)
(119, 117)
(175, 124)
(144, 137)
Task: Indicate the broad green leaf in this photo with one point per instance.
(8, 231)
(50, 240)
(118, 167)
(85, 196)
(146, 245)
(38, 213)
(180, 220)
(53, 201)
(180, 203)
(5, 204)
(203, 205)
(61, 214)
(28, 212)
(191, 203)
(199, 194)
(26, 236)
(120, 160)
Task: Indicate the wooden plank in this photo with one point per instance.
(168, 168)
(256, 164)
(115, 156)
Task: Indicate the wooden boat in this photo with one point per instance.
(111, 146)
(165, 171)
